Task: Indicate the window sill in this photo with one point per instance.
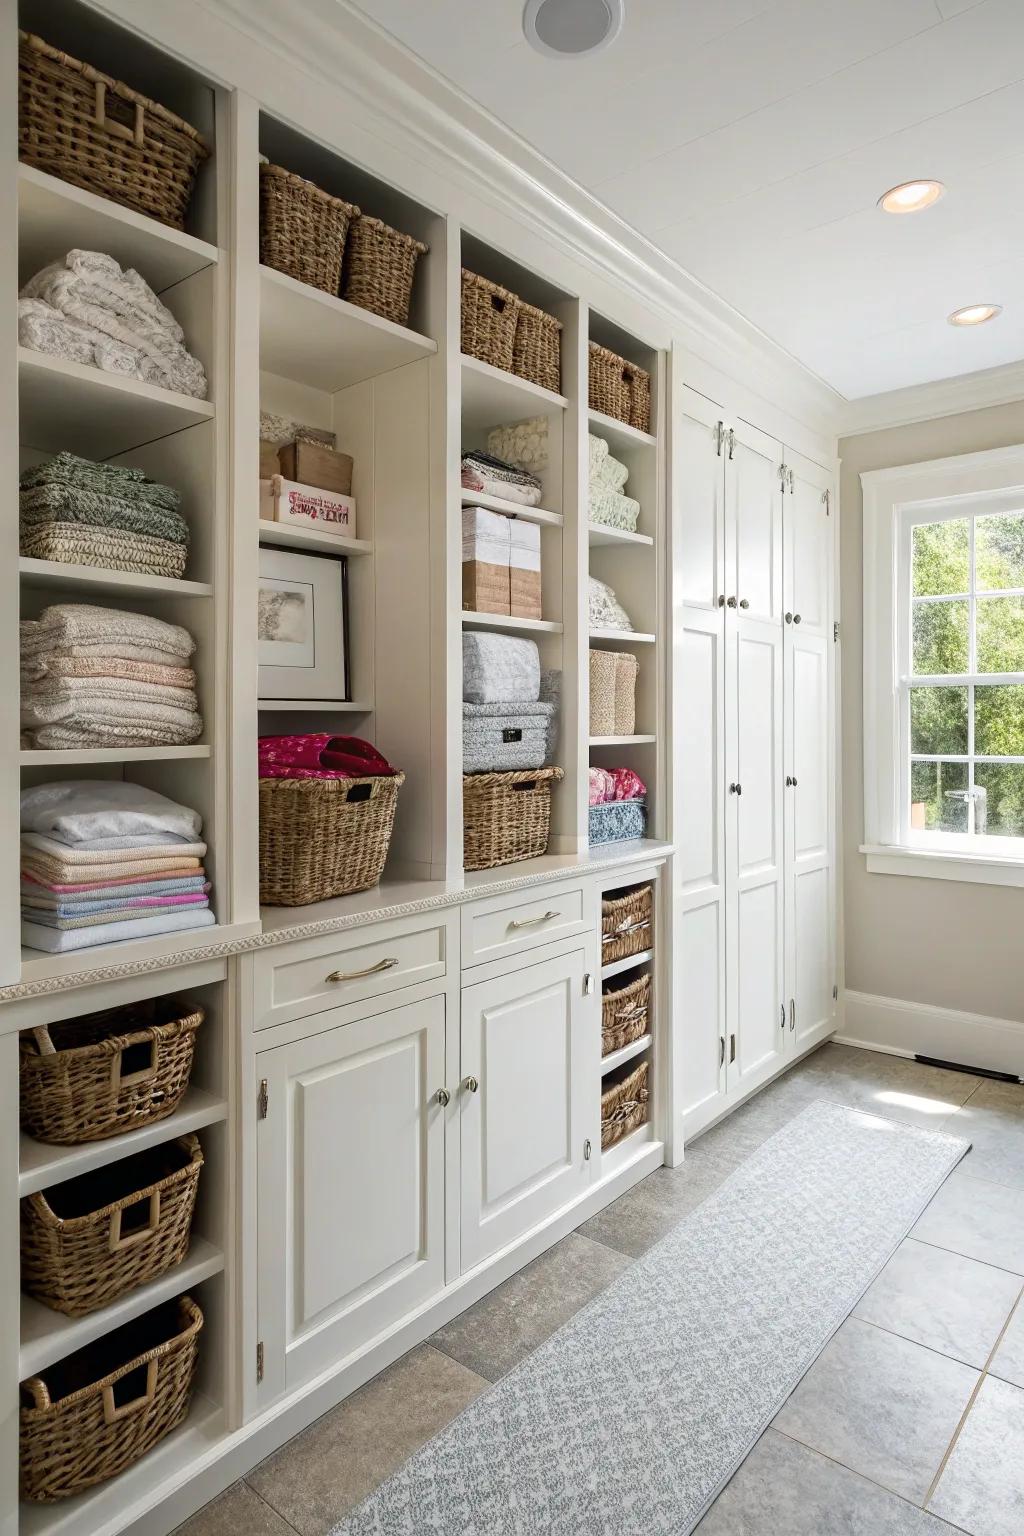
(938, 864)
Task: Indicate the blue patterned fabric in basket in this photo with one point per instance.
(617, 821)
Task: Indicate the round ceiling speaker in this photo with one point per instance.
(571, 29)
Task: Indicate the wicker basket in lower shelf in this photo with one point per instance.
(625, 1104)
(323, 837)
(625, 1014)
(99, 1411)
(506, 817)
(626, 923)
(87, 1241)
(89, 1078)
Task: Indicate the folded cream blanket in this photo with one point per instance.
(114, 850)
(83, 629)
(58, 941)
(80, 810)
(40, 867)
(46, 699)
(54, 665)
(95, 732)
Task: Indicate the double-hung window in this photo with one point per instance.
(944, 667)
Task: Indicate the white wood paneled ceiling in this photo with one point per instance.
(751, 139)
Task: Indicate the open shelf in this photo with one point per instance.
(512, 509)
(623, 636)
(76, 407)
(316, 339)
(89, 581)
(616, 967)
(81, 964)
(626, 1053)
(47, 1336)
(505, 621)
(41, 1164)
(336, 706)
(294, 536)
(620, 436)
(41, 757)
(627, 1150)
(55, 217)
(599, 535)
(491, 397)
(622, 741)
(102, 1508)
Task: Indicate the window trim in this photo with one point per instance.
(888, 495)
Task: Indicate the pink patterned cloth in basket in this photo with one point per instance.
(319, 755)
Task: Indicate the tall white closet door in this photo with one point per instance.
(755, 843)
(810, 764)
(699, 917)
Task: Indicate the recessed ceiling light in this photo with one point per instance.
(569, 29)
(975, 314)
(911, 196)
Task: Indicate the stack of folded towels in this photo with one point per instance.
(71, 509)
(101, 677)
(103, 861)
(608, 503)
(490, 476)
(86, 309)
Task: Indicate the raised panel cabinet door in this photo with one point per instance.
(528, 1100)
(699, 526)
(350, 1169)
(807, 516)
(753, 523)
(755, 857)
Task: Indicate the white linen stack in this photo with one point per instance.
(608, 502)
(102, 677)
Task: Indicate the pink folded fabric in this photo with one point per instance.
(602, 786)
(627, 785)
(319, 755)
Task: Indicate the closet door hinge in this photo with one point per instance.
(721, 1050)
(259, 1361)
(835, 631)
(262, 1102)
(826, 498)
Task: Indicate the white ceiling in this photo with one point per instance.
(751, 139)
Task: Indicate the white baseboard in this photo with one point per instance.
(919, 1029)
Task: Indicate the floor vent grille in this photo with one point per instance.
(959, 1066)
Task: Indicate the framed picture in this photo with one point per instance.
(302, 626)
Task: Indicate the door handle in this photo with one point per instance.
(721, 1050)
(732, 1049)
(744, 603)
(730, 602)
(443, 1097)
(792, 1013)
(471, 1084)
(790, 781)
(783, 1008)
(789, 618)
(721, 599)
(531, 922)
(735, 789)
(370, 970)
(796, 618)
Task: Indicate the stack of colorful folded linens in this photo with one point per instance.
(488, 476)
(74, 511)
(105, 860)
(101, 677)
(618, 810)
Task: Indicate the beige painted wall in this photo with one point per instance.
(925, 941)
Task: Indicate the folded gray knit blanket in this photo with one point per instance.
(119, 480)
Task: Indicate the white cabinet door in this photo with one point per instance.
(755, 841)
(527, 1100)
(699, 700)
(810, 755)
(350, 1168)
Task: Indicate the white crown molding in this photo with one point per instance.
(929, 402)
(406, 103)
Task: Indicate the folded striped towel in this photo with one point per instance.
(56, 941)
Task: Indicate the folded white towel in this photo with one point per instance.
(76, 810)
(115, 850)
(59, 941)
(85, 629)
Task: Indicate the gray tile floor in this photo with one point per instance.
(911, 1423)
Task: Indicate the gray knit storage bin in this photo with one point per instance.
(617, 821)
(499, 737)
(499, 669)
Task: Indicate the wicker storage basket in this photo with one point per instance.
(506, 817)
(619, 388)
(626, 923)
(380, 264)
(101, 1409)
(89, 1240)
(624, 1104)
(625, 1012)
(537, 347)
(613, 676)
(89, 1078)
(489, 316)
(96, 132)
(302, 228)
(323, 837)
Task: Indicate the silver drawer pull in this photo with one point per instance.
(624, 928)
(531, 922)
(371, 970)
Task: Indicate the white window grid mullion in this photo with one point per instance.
(972, 667)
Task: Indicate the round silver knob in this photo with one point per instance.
(721, 600)
(789, 618)
(731, 602)
(744, 603)
(470, 1084)
(796, 618)
(443, 1097)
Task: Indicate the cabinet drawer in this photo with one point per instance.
(504, 926)
(315, 974)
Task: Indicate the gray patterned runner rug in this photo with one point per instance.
(631, 1419)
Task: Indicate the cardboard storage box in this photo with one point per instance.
(283, 501)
